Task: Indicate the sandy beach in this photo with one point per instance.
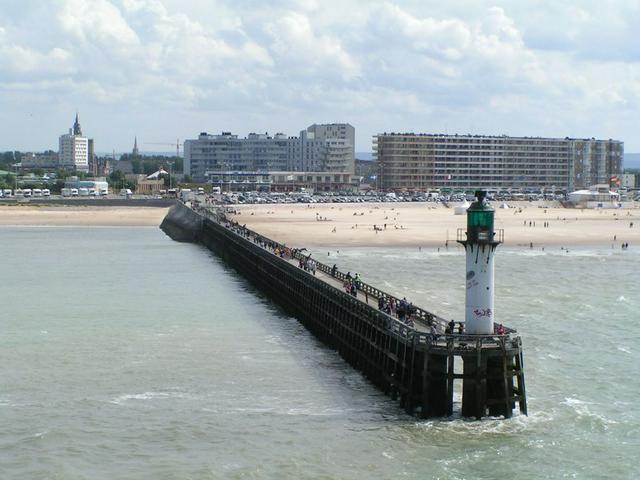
(81, 216)
(431, 225)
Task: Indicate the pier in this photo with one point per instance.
(420, 363)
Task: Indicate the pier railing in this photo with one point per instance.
(453, 342)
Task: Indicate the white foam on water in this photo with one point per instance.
(583, 410)
(273, 340)
(622, 299)
(122, 399)
(624, 349)
(490, 425)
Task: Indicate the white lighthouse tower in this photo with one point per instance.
(480, 243)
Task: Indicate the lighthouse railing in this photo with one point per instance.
(498, 236)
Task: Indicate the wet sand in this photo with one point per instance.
(81, 216)
(431, 225)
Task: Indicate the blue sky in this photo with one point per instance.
(168, 69)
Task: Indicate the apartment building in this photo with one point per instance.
(34, 161)
(342, 140)
(408, 161)
(320, 148)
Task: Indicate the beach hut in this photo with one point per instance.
(462, 208)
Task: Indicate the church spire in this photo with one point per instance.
(135, 147)
(77, 129)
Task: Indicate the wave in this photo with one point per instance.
(583, 410)
(121, 399)
(490, 425)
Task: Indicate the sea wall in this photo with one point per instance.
(182, 224)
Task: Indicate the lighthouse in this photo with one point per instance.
(480, 244)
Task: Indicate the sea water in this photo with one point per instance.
(125, 355)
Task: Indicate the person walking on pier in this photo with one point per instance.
(450, 328)
(334, 269)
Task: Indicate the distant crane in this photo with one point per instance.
(177, 145)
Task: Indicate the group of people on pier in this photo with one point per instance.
(351, 284)
(402, 309)
(308, 264)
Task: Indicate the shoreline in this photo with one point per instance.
(81, 216)
(423, 225)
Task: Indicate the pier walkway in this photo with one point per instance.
(421, 320)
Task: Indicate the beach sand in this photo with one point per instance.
(81, 216)
(431, 225)
(408, 224)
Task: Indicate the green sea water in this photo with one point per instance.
(125, 355)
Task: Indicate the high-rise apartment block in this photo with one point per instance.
(466, 162)
(341, 138)
(73, 151)
(320, 148)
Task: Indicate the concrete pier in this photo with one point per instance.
(418, 364)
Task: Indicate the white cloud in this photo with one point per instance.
(178, 67)
(97, 21)
(299, 49)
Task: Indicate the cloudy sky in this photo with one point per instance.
(168, 69)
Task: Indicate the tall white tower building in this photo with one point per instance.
(73, 150)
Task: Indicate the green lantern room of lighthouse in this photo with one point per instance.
(480, 219)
